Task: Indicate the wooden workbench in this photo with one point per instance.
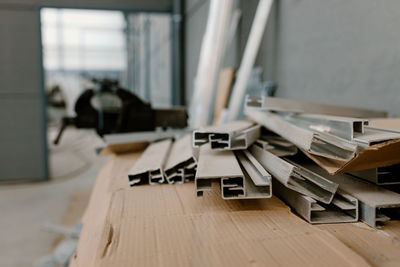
(167, 225)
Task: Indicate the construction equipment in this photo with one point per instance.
(109, 108)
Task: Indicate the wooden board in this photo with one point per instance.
(226, 78)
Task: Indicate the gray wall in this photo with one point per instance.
(344, 52)
(341, 52)
(23, 149)
(195, 16)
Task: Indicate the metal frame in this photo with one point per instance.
(181, 163)
(149, 168)
(342, 209)
(376, 203)
(291, 105)
(315, 143)
(229, 136)
(244, 179)
(295, 177)
(381, 176)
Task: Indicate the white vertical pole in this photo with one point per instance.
(249, 57)
(209, 63)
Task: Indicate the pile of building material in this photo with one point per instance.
(331, 164)
(165, 161)
(340, 147)
(224, 158)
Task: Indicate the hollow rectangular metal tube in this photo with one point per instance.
(317, 144)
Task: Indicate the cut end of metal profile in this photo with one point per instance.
(203, 185)
(156, 177)
(377, 216)
(149, 177)
(253, 101)
(200, 138)
(342, 209)
(232, 188)
(181, 172)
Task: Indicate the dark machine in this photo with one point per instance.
(108, 108)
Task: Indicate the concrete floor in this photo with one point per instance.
(26, 207)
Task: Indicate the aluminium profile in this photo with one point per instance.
(387, 175)
(149, 168)
(181, 162)
(342, 127)
(342, 209)
(229, 136)
(296, 177)
(299, 106)
(390, 130)
(235, 175)
(376, 204)
(315, 143)
(374, 136)
(277, 145)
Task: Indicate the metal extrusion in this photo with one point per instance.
(342, 209)
(342, 127)
(257, 179)
(376, 204)
(149, 168)
(320, 144)
(181, 164)
(299, 106)
(277, 145)
(374, 136)
(243, 179)
(388, 175)
(229, 136)
(296, 177)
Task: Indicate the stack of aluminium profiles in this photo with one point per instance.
(339, 148)
(165, 161)
(224, 158)
(330, 164)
